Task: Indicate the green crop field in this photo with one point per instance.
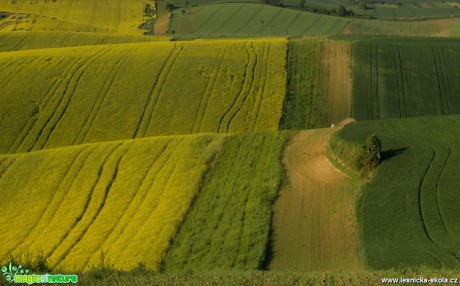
(228, 226)
(121, 17)
(319, 84)
(73, 216)
(256, 20)
(42, 40)
(395, 78)
(409, 211)
(80, 95)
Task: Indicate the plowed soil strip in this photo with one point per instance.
(314, 220)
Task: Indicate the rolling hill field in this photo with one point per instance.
(218, 142)
(120, 17)
(174, 88)
(256, 20)
(17, 41)
(409, 211)
(405, 78)
(98, 180)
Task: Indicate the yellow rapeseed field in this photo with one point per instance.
(41, 40)
(111, 92)
(120, 17)
(118, 204)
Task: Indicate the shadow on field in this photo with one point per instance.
(392, 153)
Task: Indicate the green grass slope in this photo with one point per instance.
(257, 20)
(18, 41)
(111, 92)
(229, 224)
(395, 78)
(409, 211)
(117, 203)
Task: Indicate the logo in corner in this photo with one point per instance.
(10, 271)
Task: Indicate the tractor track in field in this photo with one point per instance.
(421, 187)
(249, 20)
(67, 96)
(82, 214)
(258, 104)
(39, 16)
(23, 41)
(211, 15)
(248, 61)
(398, 84)
(150, 97)
(248, 94)
(204, 99)
(166, 187)
(225, 21)
(102, 95)
(166, 154)
(23, 135)
(107, 189)
(140, 192)
(155, 94)
(66, 15)
(439, 76)
(51, 204)
(309, 27)
(91, 27)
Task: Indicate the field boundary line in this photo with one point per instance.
(102, 95)
(84, 210)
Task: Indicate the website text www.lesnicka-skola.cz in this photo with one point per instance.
(420, 280)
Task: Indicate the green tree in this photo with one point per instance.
(371, 152)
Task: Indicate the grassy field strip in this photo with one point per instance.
(335, 84)
(300, 107)
(201, 86)
(409, 218)
(73, 15)
(314, 221)
(229, 222)
(41, 40)
(98, 180)
(319, 84)
(405, 78)
(252, 20)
